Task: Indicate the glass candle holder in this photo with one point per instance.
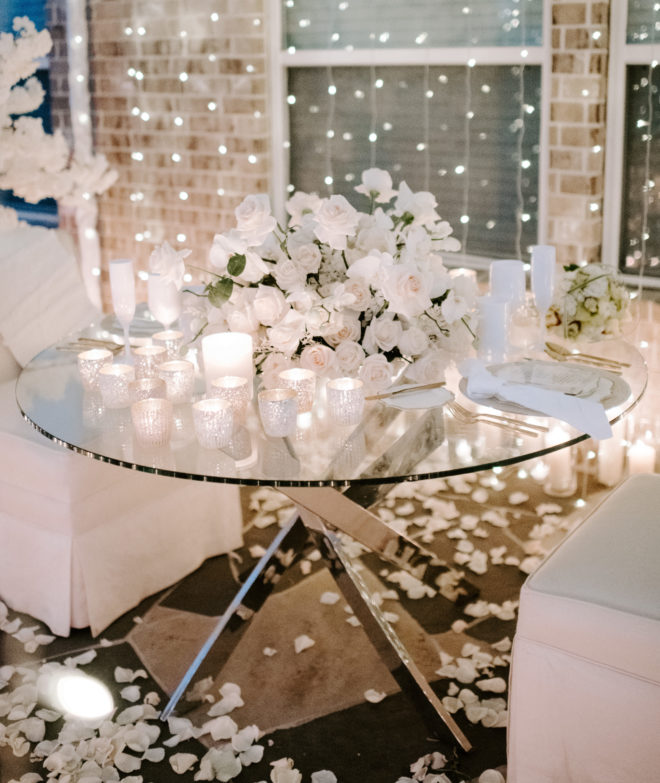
(147, 358)
(89, 365)
(228, 353)
(278, 409)
(213, 421)
(171, 340)
(152, 421)
(147, 388)
(235, 391)
(113, 383)
(303, 382)
(179, 377)
(345, 397)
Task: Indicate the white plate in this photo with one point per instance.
(578, 379)
(428, 398)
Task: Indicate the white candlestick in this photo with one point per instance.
(561, 480)
(228, 353)
(610, 461)
(492, 342)
(641, 457)
(507, 281)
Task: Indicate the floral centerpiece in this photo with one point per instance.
(590, 303)
(340, 291)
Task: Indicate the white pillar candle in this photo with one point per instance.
(641, 457)
(492, 343)
(561, 480)
(611, 454)
(507, 281)
(227, 353)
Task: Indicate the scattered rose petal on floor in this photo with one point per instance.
(182, 762)
(512, 560)
(469, 521)
(477, 609)
(269, 651)
(329, 597)
(324, 776)
(391, 617)
(478, 563)
(492, 685)
(283, 771)
(305, 567)
(303, 642)
(220, 728)
(530, 564)
(374, 696)
(352, 620)
(548, 508)
(456, 533)
(251, 755)
(480, 495)
(465, 546)
(504, 645)
(516, 498)
(451, 704)
(495, 518)
(461, 558)
(458, 626)
(80, 660)
(11, 627)
(257, 551)
(491, 776)
(130, 693)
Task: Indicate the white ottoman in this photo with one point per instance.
(585, 677)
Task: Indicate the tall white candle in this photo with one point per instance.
(507, 281)
(641, 457)
(561, 480)
(228, 353)
(610, 461)
(492, 342)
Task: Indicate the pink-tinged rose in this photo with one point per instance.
(420, 205)
(300, 205)
(342, 326)
(377, 184)
(335, 220)
(406, 289)
(254, 220)
(306, 257)
(358, 288)
(413, 342)
(286, 336)
(385, 332)
(349, 355)
(269, 305)
(317, 357)
(376, 373)
(429, 368)
(288, 275)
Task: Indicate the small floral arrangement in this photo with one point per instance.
(590, 303)
(341, 291)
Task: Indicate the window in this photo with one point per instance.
(44, 212)
(444, 96)
(632, 240)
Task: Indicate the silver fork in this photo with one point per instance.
(504, 422)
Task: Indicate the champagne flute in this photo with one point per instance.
(164, 299)
(543, 281)
(122, 288)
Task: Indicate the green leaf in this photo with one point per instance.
(220, 291)
(236, 264)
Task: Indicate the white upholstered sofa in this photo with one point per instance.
(81, 541)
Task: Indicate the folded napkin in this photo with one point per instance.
(586, 415)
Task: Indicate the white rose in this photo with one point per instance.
(335, 220)
(242, 319)
(376, 373)
(168, 263)
(254, 220)
(288, 333)
(385, 332)
(349, 355)
(303, 300)
(413, 342)
(306, 257)
(272, 366)
(269, 305)
(406, 289)
(317, 357)
(369, 267)
(342, 326)
(358, 288)
(227, 245)
(454, 307)
(429, 368)
(317, 320)
(301, 204)
(377, 184)
(420, 205)
(289, 276)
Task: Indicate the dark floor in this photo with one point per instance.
(311, 706)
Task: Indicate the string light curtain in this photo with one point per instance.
(640, 209)
(429, 112)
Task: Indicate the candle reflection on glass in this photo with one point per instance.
(562, 478)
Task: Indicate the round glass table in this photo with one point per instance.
(332, 473)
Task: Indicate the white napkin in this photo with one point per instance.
(586, 415)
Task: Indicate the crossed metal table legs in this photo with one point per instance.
(323, 512)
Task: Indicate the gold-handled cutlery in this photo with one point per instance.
(465, 416)
(566, 353)
(405, 390)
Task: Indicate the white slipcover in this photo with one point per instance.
(81, 541)
(585, 676)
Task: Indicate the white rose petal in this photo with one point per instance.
(492, 685)
(329, 597)
(182, 762)
(130, 693)
(374, 696)
(491, 776)
(303, 642)
(127, 763)
(324, 776)
(219, 728)
(252, 755)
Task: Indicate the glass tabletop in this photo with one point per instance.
(388, 445)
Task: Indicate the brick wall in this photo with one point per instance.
(182, 186)
(580, 33)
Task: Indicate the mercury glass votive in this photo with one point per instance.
(113, 383)
(278, 409)
(303, 382)
(152, 421)
(213, 421)
(345, 398)
(171, 340)
(89, 365)
(146, 388)
(147, 358)
(235, 390)
(179, 377)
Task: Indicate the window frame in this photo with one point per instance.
(622, 54)
(280, 60)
